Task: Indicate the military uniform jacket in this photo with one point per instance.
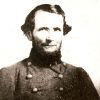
(34, 79)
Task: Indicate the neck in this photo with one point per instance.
(45, 59)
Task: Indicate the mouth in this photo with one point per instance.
(48, 44)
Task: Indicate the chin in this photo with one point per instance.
(46, 51)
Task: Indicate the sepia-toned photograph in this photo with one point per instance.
(49, 50)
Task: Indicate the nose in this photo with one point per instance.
(48, 40)
(50, 37)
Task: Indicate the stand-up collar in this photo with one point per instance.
(44, 60)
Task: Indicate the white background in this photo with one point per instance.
(81, 47)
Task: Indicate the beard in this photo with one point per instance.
(39, 49)
(41, 57)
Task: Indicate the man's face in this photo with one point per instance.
(48, 31)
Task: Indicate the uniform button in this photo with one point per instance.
(61, 89)
(50, 65)
(29, 63)
(60, 76)
(29, 76)
(35, 89)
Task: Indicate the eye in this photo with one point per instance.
(57, 29)
(43, 28)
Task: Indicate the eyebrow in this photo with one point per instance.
(43, 28)
(57, 29)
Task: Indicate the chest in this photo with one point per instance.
(43, 84)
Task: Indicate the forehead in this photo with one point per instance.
(44, 18)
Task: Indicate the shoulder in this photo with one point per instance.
(82, 82)
(78, 74)
(79, 71)
(12, 69)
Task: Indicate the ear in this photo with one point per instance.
(29, 35)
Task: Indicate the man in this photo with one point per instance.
(43, 76)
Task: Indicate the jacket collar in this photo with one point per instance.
(44, 60)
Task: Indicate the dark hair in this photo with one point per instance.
(30, 24)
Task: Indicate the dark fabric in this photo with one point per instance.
(75, 84)
(44, 59)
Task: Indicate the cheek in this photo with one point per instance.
(59, 43)
(40, 36)
(58, 37)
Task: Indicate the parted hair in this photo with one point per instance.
(30, 24)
